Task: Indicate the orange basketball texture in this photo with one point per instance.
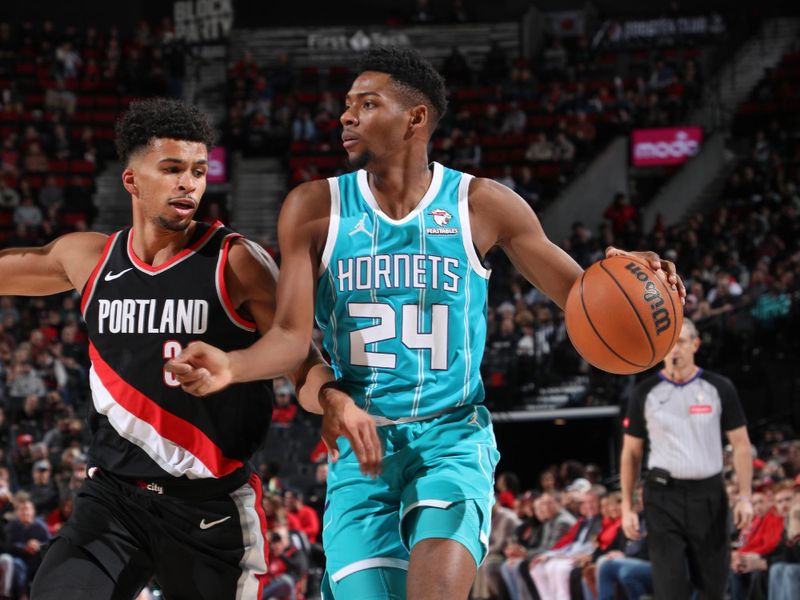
(622, 317)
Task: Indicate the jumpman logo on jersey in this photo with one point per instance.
(360, 227)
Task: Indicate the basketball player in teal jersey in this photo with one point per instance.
(392, 255)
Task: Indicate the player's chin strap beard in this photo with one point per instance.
(361, 160)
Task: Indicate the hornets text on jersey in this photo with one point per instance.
(402, 303)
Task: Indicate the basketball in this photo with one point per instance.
(622, 317)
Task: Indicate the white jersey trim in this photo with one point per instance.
(369, 563)
(171, 457)
(433, 190)
(253, 563)
(466, 229)
(333, 225)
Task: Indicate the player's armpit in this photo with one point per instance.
(500, 217)
(64, 264)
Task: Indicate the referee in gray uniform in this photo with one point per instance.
(682, 411)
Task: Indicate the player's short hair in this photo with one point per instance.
(416, 77)
(157, 118)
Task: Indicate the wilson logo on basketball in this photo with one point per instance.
(653, 297)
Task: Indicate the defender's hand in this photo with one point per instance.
(341, 417)
(202, 369)
(657, 264)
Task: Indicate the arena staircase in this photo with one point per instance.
(734, 82)
(259, 187)
(112, 201)
(206, 73)
(703, 176)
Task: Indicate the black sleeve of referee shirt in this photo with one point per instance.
(634, 423)
(732, 411)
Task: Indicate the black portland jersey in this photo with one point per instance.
(138, 317)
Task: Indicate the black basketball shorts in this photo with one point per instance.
(121, 535)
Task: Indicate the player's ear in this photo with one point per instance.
(419, 117)
(129, 182)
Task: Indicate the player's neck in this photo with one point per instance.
(156, 245)
(400, 186)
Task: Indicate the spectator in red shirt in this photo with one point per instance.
(306, 517)
(59, 515)
(507, 486)
(620, 212)
(761, 539)
(287, 566)
(285, 409)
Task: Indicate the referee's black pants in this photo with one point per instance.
(687, 538)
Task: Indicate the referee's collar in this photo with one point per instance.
(675, 383)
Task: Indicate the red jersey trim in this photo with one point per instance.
(88, 289)
(222, 289)
(180, 256)
(167, 425)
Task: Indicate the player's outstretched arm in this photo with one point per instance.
(302, 229)
(502, 218)
(63, 264)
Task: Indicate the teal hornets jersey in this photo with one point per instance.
(402, 303)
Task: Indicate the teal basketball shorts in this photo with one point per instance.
(444, 462)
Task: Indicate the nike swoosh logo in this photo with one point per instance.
(112, 276)
(204, 525)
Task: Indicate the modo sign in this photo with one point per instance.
(662, 147)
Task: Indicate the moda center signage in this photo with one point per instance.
(665, 147)
(341, 46)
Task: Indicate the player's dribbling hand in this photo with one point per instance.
(201, 369)
(630, 525)
(342, 418)
(656, 263)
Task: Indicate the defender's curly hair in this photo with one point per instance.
(156, 118)
(417, 77)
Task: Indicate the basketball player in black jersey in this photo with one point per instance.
(170, 491)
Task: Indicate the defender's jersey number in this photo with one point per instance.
(170, 350)
(386, 329)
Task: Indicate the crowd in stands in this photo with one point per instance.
(61, 89)
(740, 262)
(529, 123)
(562, 540)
